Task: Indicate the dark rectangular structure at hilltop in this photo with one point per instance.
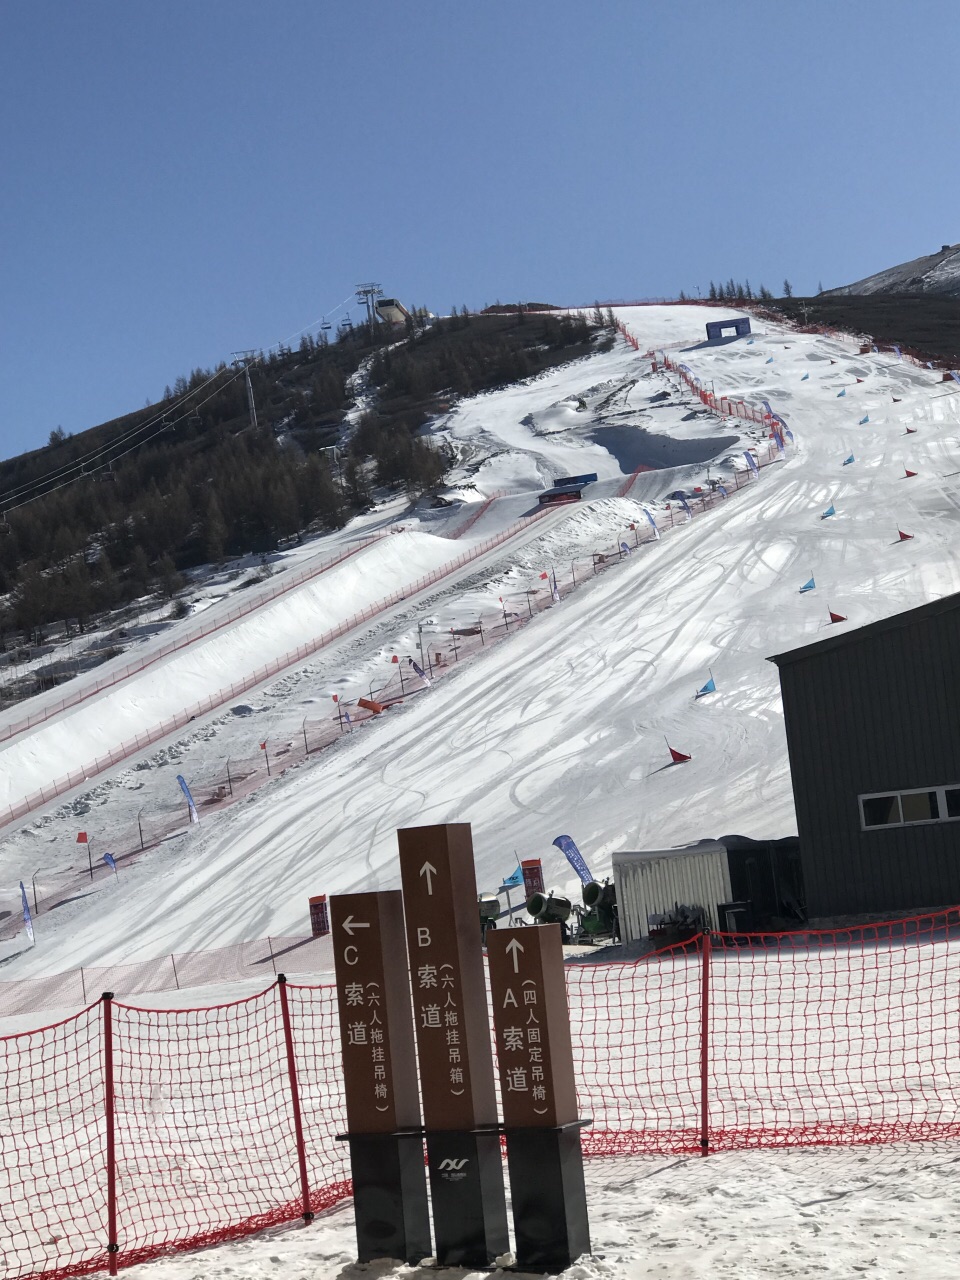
(873, 731)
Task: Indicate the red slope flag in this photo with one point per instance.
(837, 617)
(908, 473)
(677, 756)
(82, 837)
(904, 537)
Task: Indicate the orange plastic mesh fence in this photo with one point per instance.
(839, 1037)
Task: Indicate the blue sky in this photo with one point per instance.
(181, 180)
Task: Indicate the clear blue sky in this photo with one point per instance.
(184, 179)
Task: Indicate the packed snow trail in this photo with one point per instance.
(563, 727)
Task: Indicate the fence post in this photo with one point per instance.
(108, 1106)
(705, 1044)
(295, 1097)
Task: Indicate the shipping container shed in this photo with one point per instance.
(872, 719)
(739, 884)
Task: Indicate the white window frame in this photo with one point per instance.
(909, 791)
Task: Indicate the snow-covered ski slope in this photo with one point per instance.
(561, 728)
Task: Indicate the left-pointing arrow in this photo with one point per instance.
(350, 924)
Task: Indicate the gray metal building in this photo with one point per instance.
(873, 730)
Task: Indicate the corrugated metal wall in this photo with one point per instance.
(655, 882)
(880, 713)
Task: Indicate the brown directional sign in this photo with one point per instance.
(532, 1026)
(446, 973)
(379, 1064)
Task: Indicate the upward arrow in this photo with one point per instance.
(428, 870)
(514, 946)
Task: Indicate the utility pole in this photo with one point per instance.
(243, 360)
(367, 295)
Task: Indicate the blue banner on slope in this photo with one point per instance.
(515, 881)
(27, 921)
(194, 816)
(574, 857)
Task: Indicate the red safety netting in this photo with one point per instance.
(166, 1129)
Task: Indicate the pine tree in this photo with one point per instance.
(787, 289)
(214, 531)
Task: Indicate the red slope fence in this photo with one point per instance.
(228, 781)
(127, 1132)
(131, 747)
(183, 640)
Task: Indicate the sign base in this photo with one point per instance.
(549, 1197)
(390, 1197)
(469, 1205)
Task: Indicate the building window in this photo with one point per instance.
(906, 808)
(919, 806)
(881, 811)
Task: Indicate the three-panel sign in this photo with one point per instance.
(439, 998)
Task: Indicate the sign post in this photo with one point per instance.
(453, 1039)
(380, 1077)
(535, 1057)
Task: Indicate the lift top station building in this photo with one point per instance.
(873, 731)
(739, 324)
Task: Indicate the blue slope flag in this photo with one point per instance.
(419, 670)
(830, 511)
(721, 489)
(898, 351)
(194, 816)
(752, 461)
(769, 360)
(805, 377)
(808, 586)
(686, 506)
(27, 921)
(108, 859)
(865, 418)
(841, 393)
(847, 461)
(514, 881)
(653, 524)
(574, 857)
(709, 687)
(955, 376)
(624, 548)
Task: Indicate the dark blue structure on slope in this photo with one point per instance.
(566, 489)
(740, 326)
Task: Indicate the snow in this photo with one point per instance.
(935, 273)
(558, 728)
(839, 1212)
(562, 727)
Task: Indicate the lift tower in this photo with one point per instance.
(367, 295)
(243, 360)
